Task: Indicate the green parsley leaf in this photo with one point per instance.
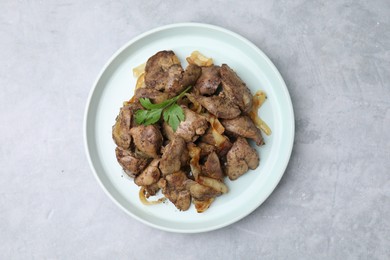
(146, 103)
(172, 113)
(140, 116)
(147, 117)
(153, 116)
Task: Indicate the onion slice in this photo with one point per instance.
(199, 59)
(213, 183)
(139, 70)
(144, 201)
(194, 153)
(202, 205)
(258, 99)
(215, 123)
(140, 81)
(197, 108)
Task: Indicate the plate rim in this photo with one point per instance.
(182, 25)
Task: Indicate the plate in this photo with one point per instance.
(115, 84)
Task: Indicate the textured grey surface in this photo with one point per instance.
(334, 199)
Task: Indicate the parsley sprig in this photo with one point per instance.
(172, 113)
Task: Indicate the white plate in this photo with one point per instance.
(116, 84)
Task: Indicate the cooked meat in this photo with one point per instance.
(235, 89)
(179, 79)
(208, 137)
(240, 158)
(162, 70)
(221, 147)
(206, 149)
(243, 126)
(129, 162)
(168, 131)
(147, 139)
(174, 188)
(177, 179)
(121, 129)
(191, 75)
(175, 75)
(209, 81)
(183, 200)
(175, 156)
(192, 127)
(151, 190)
(212, 167)
(135, 106)
(219, 106)
(154, 95)
(150, 175)
(201, 192)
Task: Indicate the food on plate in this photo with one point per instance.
(220, 106)
(147, 140)
(131, 163)
(243, 126)
(240, 158)
(197, 58)
(235, 89)
(174, 157)
(185, 130)
(258, 99)
(209, 80)
(121, 129)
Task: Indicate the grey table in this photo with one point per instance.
(334, 199)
